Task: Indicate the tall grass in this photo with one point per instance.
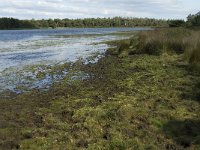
(178, 40)
(164, 40)
(192, 54)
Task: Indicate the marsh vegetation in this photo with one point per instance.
(144, 94)
(171, 41)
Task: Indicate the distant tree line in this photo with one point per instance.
(176, 23)
(193, 20)
(11, 23)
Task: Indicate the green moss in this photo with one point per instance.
(156, 122)
(118, 144)
(124, 103)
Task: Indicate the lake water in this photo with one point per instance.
(21, 48)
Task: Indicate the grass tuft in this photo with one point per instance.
(160, 41)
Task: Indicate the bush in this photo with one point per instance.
(176, 23)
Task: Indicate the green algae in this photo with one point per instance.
(130, 102)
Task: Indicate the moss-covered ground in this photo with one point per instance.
(119, 103)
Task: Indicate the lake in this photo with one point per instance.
(22, 48)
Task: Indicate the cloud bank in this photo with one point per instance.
(38, 9)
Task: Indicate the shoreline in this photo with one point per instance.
(36, 71)
(74, 28)
(124, 100)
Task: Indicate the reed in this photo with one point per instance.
(178, 40)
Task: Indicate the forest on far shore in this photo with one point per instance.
(12, 23)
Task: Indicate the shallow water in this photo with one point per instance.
(22, 48)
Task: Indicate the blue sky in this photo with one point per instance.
(38, 9)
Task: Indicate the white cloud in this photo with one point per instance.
(26, 9)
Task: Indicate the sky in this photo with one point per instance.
(43, 9)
